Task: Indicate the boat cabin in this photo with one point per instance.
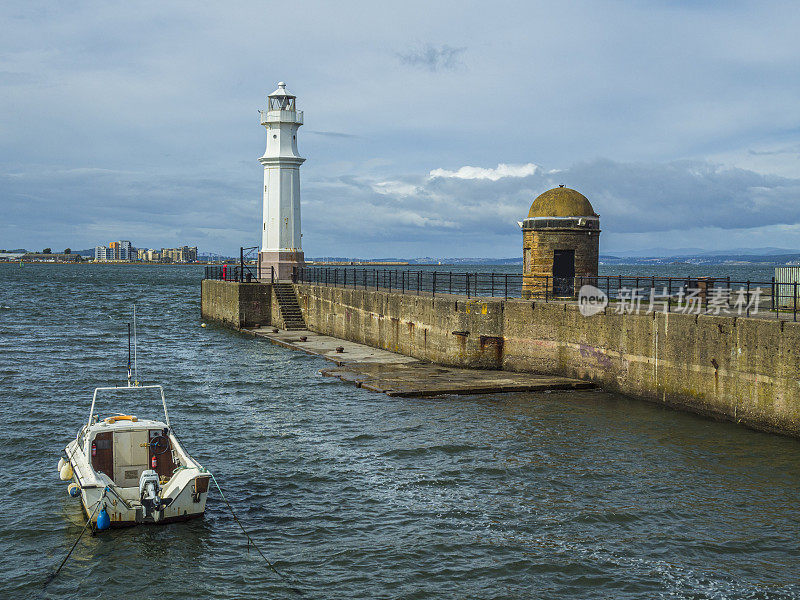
(122, 447)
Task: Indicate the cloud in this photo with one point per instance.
(334, 134)
(651, 197)
(476, 208)
(160, 120)
(501, 171)
(398, 188)
(434, 58)
(777, 151)
(9, 78)
(138, 206)
(470, 211)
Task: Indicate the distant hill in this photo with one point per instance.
(767, 256)
(699, 252)
(705, 259)
(425, 260)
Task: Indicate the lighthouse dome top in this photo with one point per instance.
(561, 202)
(281, 91)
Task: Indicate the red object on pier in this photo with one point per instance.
(225, 272)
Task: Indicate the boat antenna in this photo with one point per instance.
(129, 355)
(135, 363)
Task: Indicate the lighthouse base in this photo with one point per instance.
(279, 264)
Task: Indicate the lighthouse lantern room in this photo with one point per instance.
(281, 246)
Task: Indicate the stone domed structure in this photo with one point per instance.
(560, 244)
(561, 202)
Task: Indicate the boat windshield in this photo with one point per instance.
(134, 396)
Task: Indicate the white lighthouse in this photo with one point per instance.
(281, 246)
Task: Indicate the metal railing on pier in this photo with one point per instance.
(233, 272)
(701, 295)
(499, 285)
(246, 270)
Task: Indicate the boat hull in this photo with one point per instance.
(165, 521)
(186, 505)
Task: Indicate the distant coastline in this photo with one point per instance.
(771, 259)
(109, 263)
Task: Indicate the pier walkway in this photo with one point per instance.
(397, 375)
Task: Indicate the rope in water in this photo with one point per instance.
(239, 523)
(250, 540)
(66, 558)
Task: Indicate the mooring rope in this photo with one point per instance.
(66, 558)
(239, 523)
(250, 540)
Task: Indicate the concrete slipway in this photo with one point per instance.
(397, 375)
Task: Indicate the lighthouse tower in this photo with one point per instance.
(281, 246)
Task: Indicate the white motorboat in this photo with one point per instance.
(128, 470)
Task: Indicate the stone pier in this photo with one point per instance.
(746, 370)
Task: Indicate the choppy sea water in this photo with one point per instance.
(358, 495)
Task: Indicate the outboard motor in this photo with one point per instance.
(148, 493)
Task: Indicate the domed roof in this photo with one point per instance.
(561, 202)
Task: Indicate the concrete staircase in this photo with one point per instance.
(291, 314)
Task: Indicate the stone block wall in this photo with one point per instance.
(236, 304)
(743, 369)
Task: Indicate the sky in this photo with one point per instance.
(430, 127)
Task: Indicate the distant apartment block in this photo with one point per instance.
(122, 250)
(183, 254)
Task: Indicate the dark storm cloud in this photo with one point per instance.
(104, 205)
(685, 194)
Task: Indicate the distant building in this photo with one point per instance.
(183, 254)
(49, 257)
(126, 250)
(122, 250)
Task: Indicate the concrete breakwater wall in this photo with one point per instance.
(237, 304)
(743, 369)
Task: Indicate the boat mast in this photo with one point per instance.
(129, 355)
(135, 362)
